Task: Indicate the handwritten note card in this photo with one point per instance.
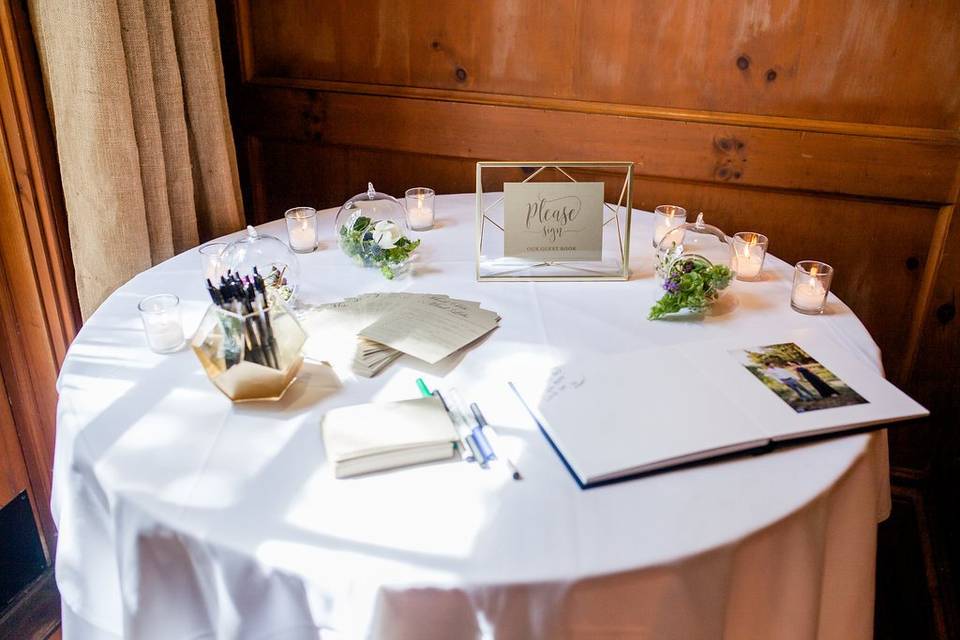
(432, 329)
(553, 221)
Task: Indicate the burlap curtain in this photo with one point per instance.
(136, 94)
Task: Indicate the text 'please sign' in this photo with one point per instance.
(553, 221)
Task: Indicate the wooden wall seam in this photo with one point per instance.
(894, 169)
(944, 136)
(931, 271)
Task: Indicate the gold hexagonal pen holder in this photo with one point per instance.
(250, 357)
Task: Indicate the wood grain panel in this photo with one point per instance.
(896, 62)
(37, 293)
(779, 159)
(13, 472)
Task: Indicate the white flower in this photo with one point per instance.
(386, 234)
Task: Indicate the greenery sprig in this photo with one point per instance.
(690, 282)
(377, 244)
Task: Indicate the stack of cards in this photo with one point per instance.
(370, 331)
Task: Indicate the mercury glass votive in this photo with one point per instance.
(210, 265)
(161, 322)
(302, 229)
(419, 202)
(665, 218)
(750, 248)
(811, 284)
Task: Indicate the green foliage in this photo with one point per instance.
(357, 241)
(692, 283)
(781, 355)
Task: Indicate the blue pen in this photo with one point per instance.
(492, 436)
(477, 439)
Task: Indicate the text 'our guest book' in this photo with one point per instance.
(614, 417)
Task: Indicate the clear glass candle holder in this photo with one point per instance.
(665, 218)
(420, 212)
(750, 248)
(302, 229)
(811, 284)
(161, 322)
(210, 264)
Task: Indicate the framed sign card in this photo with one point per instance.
(553, 221)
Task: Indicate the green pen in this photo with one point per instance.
(423, 388)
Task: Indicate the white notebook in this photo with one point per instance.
(614, 417)
(379, 436)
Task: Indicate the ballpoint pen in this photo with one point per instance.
(492, 437)
(468, 449)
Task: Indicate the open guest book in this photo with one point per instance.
(379, 436)
(611, 418)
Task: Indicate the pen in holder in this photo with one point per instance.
(249, 350)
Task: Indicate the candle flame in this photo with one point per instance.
(813, 270)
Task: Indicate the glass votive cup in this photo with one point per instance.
(666, 217)
(161, 322)
(210, 265)
(811, 284)
(750, 248)
(419, 201)
(302, 229)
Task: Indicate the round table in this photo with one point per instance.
(184, 516)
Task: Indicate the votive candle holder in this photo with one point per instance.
(811, 284)
(420, 208)
(665, 218)
(210, 264)
(162, 322)
(750, 249)
(302, 229)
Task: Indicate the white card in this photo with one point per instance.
(553, 221)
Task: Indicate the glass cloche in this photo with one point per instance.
(273, 260)
(372, 230)
(694, 241)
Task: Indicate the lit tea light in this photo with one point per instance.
(750, 249)
(665, 218)
(302, 228)
(419, 201)
(161, 322)
(811, 284)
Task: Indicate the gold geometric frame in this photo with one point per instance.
(613, 265)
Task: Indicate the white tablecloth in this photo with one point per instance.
(182, 516)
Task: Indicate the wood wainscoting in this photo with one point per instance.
(834, 128)
(39, 314)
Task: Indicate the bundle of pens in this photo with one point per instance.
(250, 330)
(248, 342)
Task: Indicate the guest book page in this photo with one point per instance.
(612, 417)
(553, 221)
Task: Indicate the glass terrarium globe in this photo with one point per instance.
(696, 241)
(368, 224)
(273, 260)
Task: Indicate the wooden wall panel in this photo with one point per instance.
(895, 62)
(38, 307)
(13, 472)
(830, 125)
(754, 156)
